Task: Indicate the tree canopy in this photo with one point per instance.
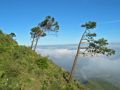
(49, 24)
(93, 47)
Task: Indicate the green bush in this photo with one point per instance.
(6, 42)
(42, 63)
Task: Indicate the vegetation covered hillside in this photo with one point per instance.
(101, 85)
(23, 69)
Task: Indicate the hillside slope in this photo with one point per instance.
(98, 84)
(23, 69)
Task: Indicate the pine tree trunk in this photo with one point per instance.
(36, 43)
(76, 56)
(32, 42)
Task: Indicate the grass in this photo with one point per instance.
(98, 84)
(23, 69)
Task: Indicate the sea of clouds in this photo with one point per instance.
(100, 67)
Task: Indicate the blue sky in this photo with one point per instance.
(20, 16)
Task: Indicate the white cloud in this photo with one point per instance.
(88, 67)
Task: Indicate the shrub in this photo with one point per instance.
(42, 63)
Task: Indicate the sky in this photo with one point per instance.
(19, 16)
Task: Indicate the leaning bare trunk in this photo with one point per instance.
(74, 64)
(32, 42)
(36, 43)
(76, 56)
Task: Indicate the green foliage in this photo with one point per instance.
(100, 47)
(91, 34)
(49, 24)
(42, 63)
(36, 33)
(7, 42)
(95, 46)
(12, 34)
(1, 32)
(101, 42)
(89, 25)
